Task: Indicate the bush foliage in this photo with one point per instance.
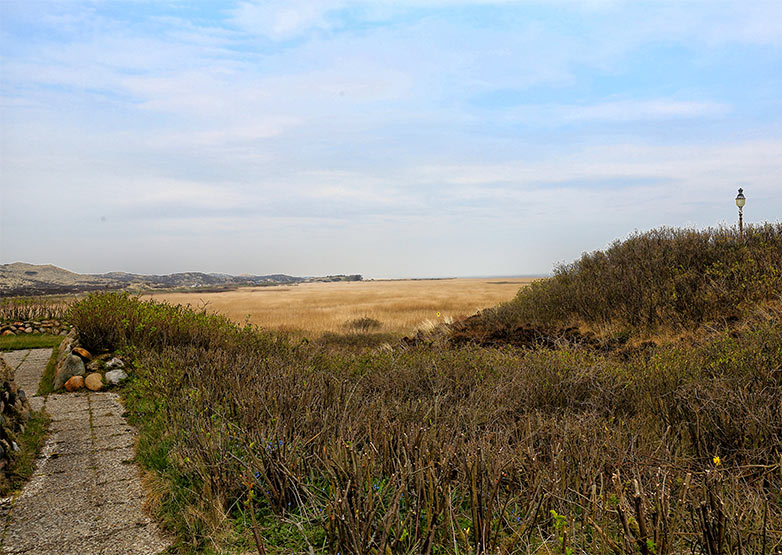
(440, 450)
(114, 320)
(665, 277)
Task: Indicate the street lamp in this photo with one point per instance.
(740, 202)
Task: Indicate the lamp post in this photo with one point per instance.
(740, 202)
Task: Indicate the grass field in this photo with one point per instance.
(315, 308)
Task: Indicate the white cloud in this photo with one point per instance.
(281, 19)
(227, 135)
(612, 111)
(148, 193)
(634, 110)
(691, 169)
(715, 21)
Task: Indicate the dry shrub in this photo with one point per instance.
(356, 342)
(460, 450)
(678, 278)
(363, 325)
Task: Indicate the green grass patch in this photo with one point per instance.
(29, 341)
(171, 493)
(46, 385)
(30, 444)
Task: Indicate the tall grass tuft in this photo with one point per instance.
(363, 325)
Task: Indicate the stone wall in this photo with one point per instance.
(54, 327)
(77, 368)
(14, 414)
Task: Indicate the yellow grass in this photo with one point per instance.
(401, 306)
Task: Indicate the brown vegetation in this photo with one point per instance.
(460, 441)
(33, 308)
(664, 279)
(316, 308)
(432, 449)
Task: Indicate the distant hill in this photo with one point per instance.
(20, 278)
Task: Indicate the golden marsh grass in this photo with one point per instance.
(316, 308)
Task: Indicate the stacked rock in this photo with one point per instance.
(73, 363)
(68, 363)
(53, 327)
(14, 414)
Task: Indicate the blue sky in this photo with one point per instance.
(411, 138)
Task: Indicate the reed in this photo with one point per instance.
(312, 309)
(33, 308)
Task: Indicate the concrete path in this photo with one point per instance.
(29, 366)
(85, 495)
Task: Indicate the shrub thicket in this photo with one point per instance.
(678, 278)
(114, 320)
(432, 450)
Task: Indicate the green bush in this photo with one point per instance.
(667, 277)
(109, 321)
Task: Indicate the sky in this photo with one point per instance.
(405, 138)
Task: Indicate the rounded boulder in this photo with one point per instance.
(94, 381)
(67, 366)
(114, 377)
(82, 352)
(74, 383)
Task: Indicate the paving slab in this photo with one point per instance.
(120, 491)
(68, 463)
(15, 358)
(29, 369)
(116, 441)
(85, 495)
(111, 422)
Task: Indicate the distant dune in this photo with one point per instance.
(21, 278)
